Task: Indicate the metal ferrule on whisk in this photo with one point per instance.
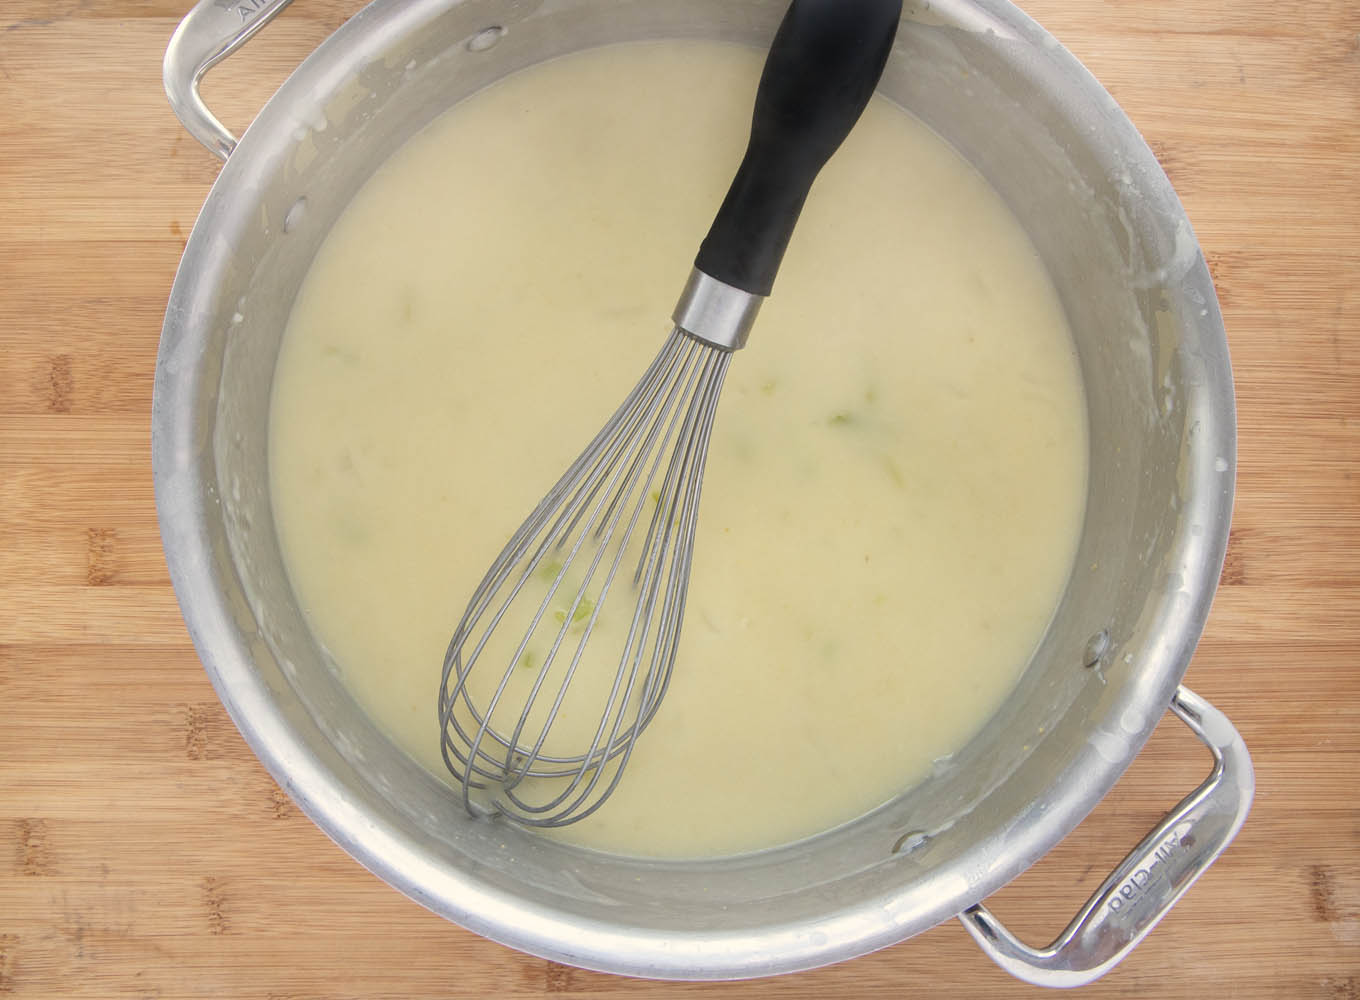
(715, 312)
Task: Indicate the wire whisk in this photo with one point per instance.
(568, 680)
(645, 466)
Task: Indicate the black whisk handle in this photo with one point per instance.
(822, 68)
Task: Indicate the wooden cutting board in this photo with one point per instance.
(145, 853)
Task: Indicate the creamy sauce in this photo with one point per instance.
(897, 472)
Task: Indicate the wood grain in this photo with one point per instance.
(145, 853)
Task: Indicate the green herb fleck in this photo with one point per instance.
(894, 472)
(841, 418)
(581, 613)
(337, 353)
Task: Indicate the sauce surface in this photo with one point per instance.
(896, 478)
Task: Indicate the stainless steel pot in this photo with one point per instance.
(1154, 358)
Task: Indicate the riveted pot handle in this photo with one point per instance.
(1150, 880)
(210, 32)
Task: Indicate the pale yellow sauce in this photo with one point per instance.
(897, 473)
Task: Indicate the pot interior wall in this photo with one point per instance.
(1106, 223)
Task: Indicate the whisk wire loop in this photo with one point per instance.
(573, 544)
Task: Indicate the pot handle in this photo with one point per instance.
(210, 32)
(1150, 880)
